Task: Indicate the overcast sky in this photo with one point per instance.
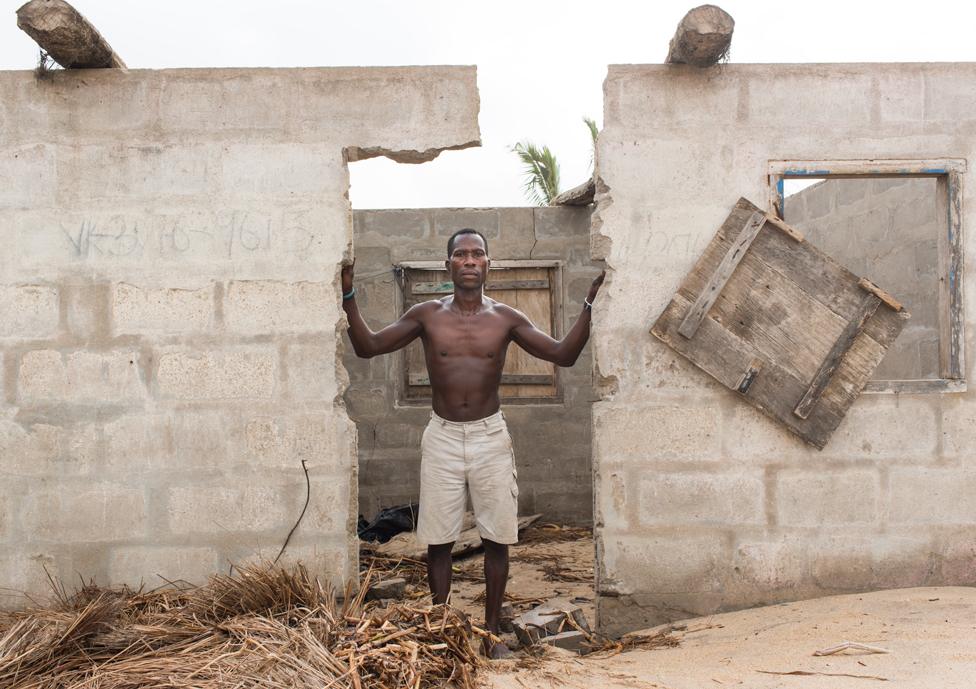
(541, 65)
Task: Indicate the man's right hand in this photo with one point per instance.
(347, 273)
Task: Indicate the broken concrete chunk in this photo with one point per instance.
(581, 195)
(571, 641)
(389, 588)
(548, 620)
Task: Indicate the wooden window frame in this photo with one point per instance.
(948, 173)
(556, 311)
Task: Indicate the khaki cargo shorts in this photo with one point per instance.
(457, 459)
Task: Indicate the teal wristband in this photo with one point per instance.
(347, 297)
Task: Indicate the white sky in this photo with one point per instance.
(541, 64)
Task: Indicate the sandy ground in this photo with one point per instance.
(930, 633)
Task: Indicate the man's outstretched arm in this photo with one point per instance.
(365, 342)
(563, 352)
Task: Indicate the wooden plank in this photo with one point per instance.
(507, 379)
(789, 231)
(915, 387)
(951, 331)
(698, 311)
(869, 286)
(763, 307)
(843, 344)
(432, 288)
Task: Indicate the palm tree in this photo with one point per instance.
(594, 133)
(541, 172)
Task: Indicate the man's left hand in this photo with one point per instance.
(595, 287)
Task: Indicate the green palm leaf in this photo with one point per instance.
(541, 172)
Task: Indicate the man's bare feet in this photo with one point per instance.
(495, 650)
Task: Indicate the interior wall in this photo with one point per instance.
(169, 311)
(552, 441)
(888, 230)
(703, 504)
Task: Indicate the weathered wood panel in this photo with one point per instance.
(790, 325)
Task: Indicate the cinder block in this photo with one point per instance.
(243, 101)
(88, 311)
(147, 310)
(678, 564)
(902, 97)
(860, 562)
(134, 171)
(447, 221)
(615, 503)
(217, 374)
(104, 107)
(30, 450)
(284, 441)
(311, 371)
(80, 377)
(958, 566)
(771, 565)
(802, 90)
(328, 508)
(28, 311)
(204, 439)
(702, 498)
(755, 439)
(958, 427)
(638, 433)
(46, 450)
(28, 178)
(254, 307)
(386, 226)
(327, 561)
(287, 170)
(221, 509)
(137, 443)
(368, 402)
(158, 565)
(827, 497)
(927, 495)
(85, 513)
(396, 435)
(637, 96)
(881, 427)
(562, 222)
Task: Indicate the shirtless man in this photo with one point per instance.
(466, 445)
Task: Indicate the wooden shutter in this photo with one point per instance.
(782, 324)
(529, 290)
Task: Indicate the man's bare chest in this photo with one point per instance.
(453, 335)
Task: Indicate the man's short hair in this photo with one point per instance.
(465, 230)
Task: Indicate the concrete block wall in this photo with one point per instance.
(886, 229)
(703, 504)
(552, 441)
(169, 311)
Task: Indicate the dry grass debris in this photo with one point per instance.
(263, 626)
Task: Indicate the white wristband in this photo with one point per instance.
(587, 304)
